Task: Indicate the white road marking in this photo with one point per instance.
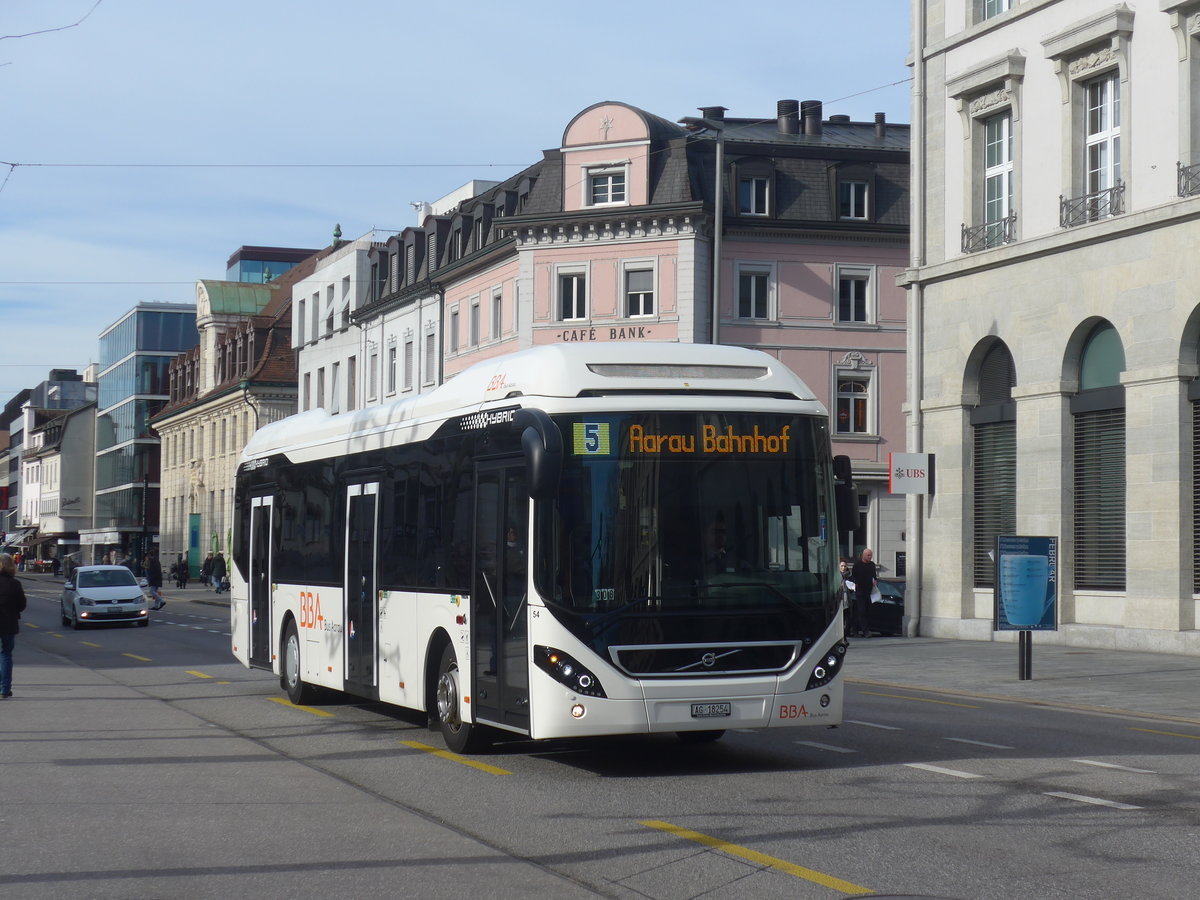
(1105, 765)
(873, 725)
(1095, 801)
(941, 771)
(981, 744)
(829, 747)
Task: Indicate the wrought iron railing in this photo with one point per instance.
(1091, 207)
(989, 234)
(1187, 179)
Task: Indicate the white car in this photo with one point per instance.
(103, 594)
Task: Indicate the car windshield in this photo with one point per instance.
(107, 578)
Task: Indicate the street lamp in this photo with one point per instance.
(695, 124)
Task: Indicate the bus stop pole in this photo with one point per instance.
(1025, 655)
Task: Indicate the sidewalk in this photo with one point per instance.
(1164, 686)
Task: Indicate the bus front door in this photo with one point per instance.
(500, 624)
(362, 599)
(259, 587)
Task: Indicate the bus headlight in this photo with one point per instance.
(827, 667)
(567, 671)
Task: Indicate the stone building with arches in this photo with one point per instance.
(1054, 311)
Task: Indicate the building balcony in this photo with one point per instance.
(989, 234)
(1187, 179)
(1091, 207)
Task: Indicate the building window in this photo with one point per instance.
(639, 292)
(329, 309)
(335, 405)
(991, 8)
(852, 200)
(854, 295)
(430, 357)
(473, 323)
(373, 377)
(320, 393)
(391, 371)
(752, 196)
(352, 383)
(315, 309)
(997, 172)
(497, 311)
(605, 186)
(345, 303)
(853, 402)
(754, 293)
(306, 400)
(572, 296)
(408, 365)
(994, 458)
(454, 331)
(300, 307)
(1102, 141)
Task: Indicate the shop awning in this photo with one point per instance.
(20, 537)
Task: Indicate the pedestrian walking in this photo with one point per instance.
(206, 570)
(154, 580)
(218, 571)
(865, 575)
(12, 604)
(181, 572)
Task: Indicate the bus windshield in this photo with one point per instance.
(687, 527)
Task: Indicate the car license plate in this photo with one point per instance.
(711, 710)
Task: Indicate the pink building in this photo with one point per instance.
(611, 237)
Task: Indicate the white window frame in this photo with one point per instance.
(408, 364)
(473, 321)
(1102, 131)
(603, 177)
(453, 345)
(865, 377)
(754, 207)
(755, 269)
(391, 367)
(580, 278)
(997, 167)
(430, 357)
(497, 311)
(639, 265)
(865, 275)
(373, 376)
(859, 200)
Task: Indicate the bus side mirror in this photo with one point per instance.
(845, 495)
(542, 445)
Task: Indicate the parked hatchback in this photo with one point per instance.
(97, 595)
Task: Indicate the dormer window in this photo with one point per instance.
(753, 196)
(606, 186)
(852, 200)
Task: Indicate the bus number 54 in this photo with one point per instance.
(310, 610)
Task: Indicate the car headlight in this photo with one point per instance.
(86, 601)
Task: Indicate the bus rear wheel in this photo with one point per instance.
(290, 679)
(460, 736)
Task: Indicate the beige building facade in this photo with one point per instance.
(1054, 311)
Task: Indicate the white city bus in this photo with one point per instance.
(577, 539)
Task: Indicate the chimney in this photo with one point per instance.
(839, 120)
(788, 113)
(880, 125)
(810, 112)
(716, 113)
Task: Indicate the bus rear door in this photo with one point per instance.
(362, 598)
(262, 511)
(499, 613)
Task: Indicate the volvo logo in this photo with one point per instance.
(708, 660)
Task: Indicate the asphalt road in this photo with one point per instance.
(146, 762)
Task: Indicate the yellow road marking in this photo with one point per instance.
(90, 644)
(782, 865)
(921, 700)
(454, 757)
(30, 625)
(197, 674)
(138, 658)
(308, 709)
(55, 634)
(1190, 737)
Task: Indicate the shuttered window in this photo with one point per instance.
(1100, 500)
(995, 493)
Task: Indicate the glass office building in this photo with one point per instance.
(259, 265)
(135, 353)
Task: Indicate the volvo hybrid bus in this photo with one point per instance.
(572, 540)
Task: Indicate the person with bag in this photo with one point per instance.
(206, 568)
(154, 580)
(12, 604)
(218, 573)
(865, 575)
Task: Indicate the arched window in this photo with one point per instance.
(994, 436)
(1098, 411)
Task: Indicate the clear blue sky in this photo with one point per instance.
(128, 128)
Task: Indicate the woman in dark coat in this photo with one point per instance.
(12, 604)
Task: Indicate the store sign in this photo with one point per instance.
(910, 473)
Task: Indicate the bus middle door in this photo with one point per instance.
(360, 637)
(500, 632)
(262, 509)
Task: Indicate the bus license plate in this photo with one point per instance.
(711, 710)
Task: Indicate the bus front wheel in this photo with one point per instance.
(290, 679)
(460, 736)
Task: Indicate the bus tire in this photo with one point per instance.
(460, 736)
(699, 737)
(290, 679)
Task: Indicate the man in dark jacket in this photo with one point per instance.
(864, 573)
(154, 580)
(12, 604)
(218, 571)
